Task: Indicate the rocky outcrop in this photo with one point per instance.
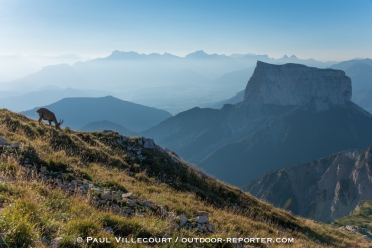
(5, 144)
(367, 233)
(324, 190)
(296, 85)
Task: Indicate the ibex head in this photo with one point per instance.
(58, 124)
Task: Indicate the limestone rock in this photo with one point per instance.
(55, 242)
(131, 203)
(3, 141)
(107, 196)
(295, 85)
(183, 220)
(127, 195)
(201, 219)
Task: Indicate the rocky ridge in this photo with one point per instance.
(325, 189)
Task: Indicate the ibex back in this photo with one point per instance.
(48, 115)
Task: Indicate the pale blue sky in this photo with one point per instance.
(320, 29)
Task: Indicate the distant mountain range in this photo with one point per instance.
(17, 66)
(81, 111)
(360, 71)
(290, 114)
(43, 97)
(323, 190)
(162, 81)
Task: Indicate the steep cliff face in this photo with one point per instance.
(324, 190)
(290, 114)
(276, 90)
(296, 85)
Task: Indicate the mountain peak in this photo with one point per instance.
(295, 85)
(197, 54)
(123, 55)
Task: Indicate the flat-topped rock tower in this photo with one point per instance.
(296, 85)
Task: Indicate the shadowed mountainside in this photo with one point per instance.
(290, 114)
(325, 189)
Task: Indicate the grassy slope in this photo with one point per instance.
(32, 210)
(361, 218)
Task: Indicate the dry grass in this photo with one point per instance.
(33, 211)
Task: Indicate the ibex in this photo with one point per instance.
(48, 115)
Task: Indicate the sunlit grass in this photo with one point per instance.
(32, 211)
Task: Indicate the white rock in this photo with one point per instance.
(55, 242)
(202, 219)
(127, 195)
